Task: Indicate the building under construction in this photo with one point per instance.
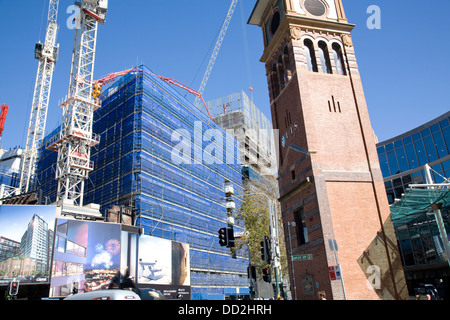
(134, 169)
(252, 130)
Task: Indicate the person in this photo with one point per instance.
(322, 295)
(441, 289)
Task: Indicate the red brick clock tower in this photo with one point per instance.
(330, 181)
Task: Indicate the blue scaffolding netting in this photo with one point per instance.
(133, 165)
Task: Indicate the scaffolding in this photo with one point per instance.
(252, 129)
(133, 167)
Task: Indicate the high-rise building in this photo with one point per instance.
(251, 128)
(167, 162)
(35, 243)
(330, 182)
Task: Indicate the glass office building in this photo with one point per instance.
(403, 158)
(419, 156)
(161, 156)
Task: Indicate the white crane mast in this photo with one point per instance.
(76, 137)
(47, 54)
(216, 50)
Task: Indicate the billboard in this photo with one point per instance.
(91, 256)
(157, 263)
(86, 256)
(26, 242)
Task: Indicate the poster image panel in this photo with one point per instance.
(86, 257)
(163, 265)
(26, 240)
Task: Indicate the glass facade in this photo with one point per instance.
(419, 156)
(402, 159)
(178, 197)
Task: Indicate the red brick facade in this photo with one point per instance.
(337, 192)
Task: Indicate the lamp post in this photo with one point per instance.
(289, 225)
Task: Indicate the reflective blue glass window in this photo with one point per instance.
(446, 133)
(407, 140)
(420, 151)
(444, 123)
(380, 150)
(431, 150)
(403, 162)
(446, 165)
(398, 143)
(411, 155)
(389, 147)
(434, 127)
(440, 144)
(416, 136)
(417, 177)
(384, 165)
(393, 165)
(425, 132)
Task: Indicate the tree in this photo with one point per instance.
(254, 212)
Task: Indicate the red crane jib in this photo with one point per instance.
(3, 118)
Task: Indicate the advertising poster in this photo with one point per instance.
(163, 265)
(26, 241)
(86, 257)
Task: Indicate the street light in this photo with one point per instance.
(289, 225)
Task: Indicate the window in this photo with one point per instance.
(275, 23)
(281, 74)
(324, 57)
(287, 65)
(310, 55)
(302, 230)
(338, 59)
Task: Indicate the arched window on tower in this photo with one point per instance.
(287, 65)
(324, 57)
(281, 72)
(310, 55)
(338, 59)
(275, 81)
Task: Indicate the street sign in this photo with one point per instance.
(332, 273)
(335, 272)
(302, 257)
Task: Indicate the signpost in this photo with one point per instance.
(302, 257)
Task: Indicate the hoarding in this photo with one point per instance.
(26, 241)
(157, 263)
(86, 256)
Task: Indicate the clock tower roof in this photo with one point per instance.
(315, 9)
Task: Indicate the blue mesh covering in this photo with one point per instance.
(133, 166)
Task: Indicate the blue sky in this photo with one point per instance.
(403, 65)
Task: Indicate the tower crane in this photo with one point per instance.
(215, 52)
(76, 138)
(47, 54)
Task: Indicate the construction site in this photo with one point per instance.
(111, 159)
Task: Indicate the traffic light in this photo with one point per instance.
(14, 288)
(266, 254)
(226, 237)
(266, 275)
(223, 237)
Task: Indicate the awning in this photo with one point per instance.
(416, 202)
